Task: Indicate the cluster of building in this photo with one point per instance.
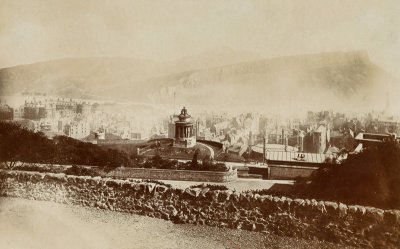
(79, 119)
(323, 132)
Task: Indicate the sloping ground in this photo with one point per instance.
(340, 79)
(39, 224)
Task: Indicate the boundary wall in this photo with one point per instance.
(353, 225)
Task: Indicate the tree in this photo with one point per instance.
(194, 160)
(18, 144)
(136, 160)
(12, 144)
(371, 177)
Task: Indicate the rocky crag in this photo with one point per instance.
(339, 79)
(302, 218)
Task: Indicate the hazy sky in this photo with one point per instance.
(37, 30)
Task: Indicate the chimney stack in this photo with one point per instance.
(264, 150)
(284, 139)
(301, 142)
(286, 143)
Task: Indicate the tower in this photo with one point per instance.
(184, 132)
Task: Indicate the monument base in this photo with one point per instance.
(185, 142)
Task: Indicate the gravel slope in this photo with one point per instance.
(36, 224)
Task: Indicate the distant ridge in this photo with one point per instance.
(219, 77)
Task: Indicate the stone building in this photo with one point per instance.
(6, 112)
(185, 136)
(77, 130)
(321, 138)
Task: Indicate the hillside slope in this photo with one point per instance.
(343, 80)
(340, 79)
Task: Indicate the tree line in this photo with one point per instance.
(19, 145)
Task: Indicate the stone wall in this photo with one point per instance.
(178, 175)
(289, 172)
(310, 219)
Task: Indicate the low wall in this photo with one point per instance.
(284, 172)
(366, 227)
(211, 143)
(178, 175)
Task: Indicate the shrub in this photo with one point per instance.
(41, 169)
(78, 170)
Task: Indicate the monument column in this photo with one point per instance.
(184, 130)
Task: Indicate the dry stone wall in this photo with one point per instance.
(310, 219)
(177, 175)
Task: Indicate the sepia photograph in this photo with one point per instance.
(139, 124)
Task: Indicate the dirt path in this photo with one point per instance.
(241, 184)
(36, 224)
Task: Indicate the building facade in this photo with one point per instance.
(6, 112)
(77, 130)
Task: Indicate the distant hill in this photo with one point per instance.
(329, 80)
(220, 77)
(99, 77)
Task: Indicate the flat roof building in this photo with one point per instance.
(295, 158)
(368, 139)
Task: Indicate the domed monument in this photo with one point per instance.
(184, 132)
